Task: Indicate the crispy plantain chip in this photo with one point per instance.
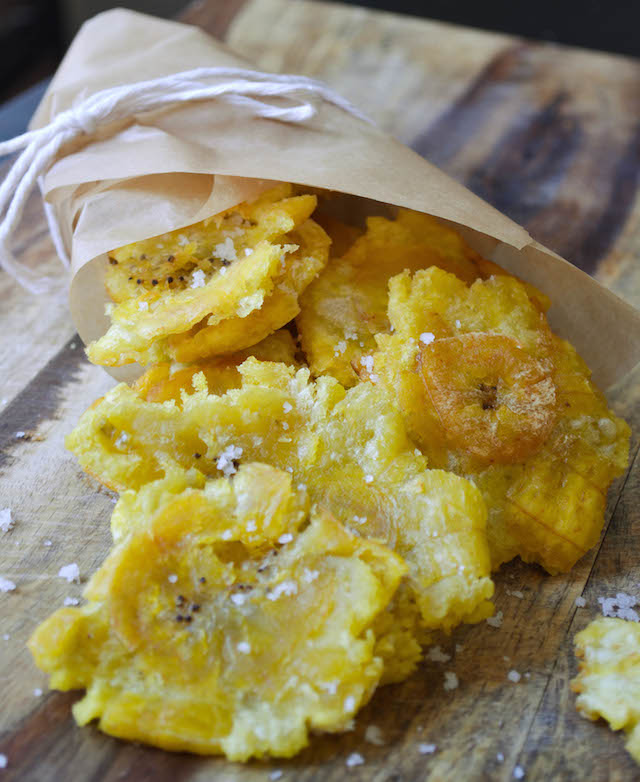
(228, 620)
(215, 287)
(488, 391)
(608, 684)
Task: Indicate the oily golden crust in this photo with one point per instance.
(206, 631)
(349, 448)
(343, 310)
(545, 494)
(213, 274)
(608, 684)
(162, 382)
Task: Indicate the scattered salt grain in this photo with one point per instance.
(620, 606)
(287, 407)
(500, 757)
(340, 348)
(349, 703)
(197, 279)
(427, 749)
(373, 735)
(3, 761)
(436, 655)
(251, 526)
(367, 363)
(518, 772)
(227, 458)
(70, 572)
(243, 647)
(608, 428)
(48, 543)
(6, 585)
(514, 676)
(247, 253)
(71, 601)
(182, 240)
(495, 621)
(580, 602)
(37, 692)
(286, 538)
(20, 435)
(172, 578)
(238, 598)
(122, 440)
(6, 522)
(226, 535)
(226, 250)
(427, 338)
(310, 575)
(143, 306)
(277, 774)
(368, 478)
(458, 324)
(354, 759)
(450, 680)
(283, 588)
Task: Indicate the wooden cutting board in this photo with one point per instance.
(549, 135)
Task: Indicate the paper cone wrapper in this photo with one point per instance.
(170, 169)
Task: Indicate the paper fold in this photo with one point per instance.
(171, 169)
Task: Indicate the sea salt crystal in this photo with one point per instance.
(354, 759)
(6, 585)
(283, 588)
(3, 761)
(580, 602)
(620, 606)
(197, 279)
(368, 478)
(71, 601)
(373, 735)
(226, 535)
(274, 775)
(500, 757)
(143, 306)
(122, 440)
(172, 578)
(458, 324)
(286, 538)
(450, 680)
(340, 348)
(247, 252)
(6, 522)
(287, 407)
(226, 250)
(48, 543)
(243, 647)
(367, 363)
(70, 572)
(238, 599)
(495, 621)
(427, 338)
(436, 655)
(227, 458)
(518, 772)
(37, 692)
(427, 749)
(20, 435)
(251, 526)
(310, 575)
(349, 703)
(514, 676)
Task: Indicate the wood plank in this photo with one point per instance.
(547, 133)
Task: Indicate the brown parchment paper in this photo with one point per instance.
(167, 170)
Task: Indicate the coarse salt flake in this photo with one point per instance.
(495, 621)
(354, 759)
(349, 703)
(20, 435)
(248, 252)
(620, 606)
(6, 585)
(367, 363)
(514, 676)
(71, 601)
(310, 575)
(427, 338)
(286, 538)
(226, 460)
(287, 407)
(458, 324)
(500, 757)
(368, 478)
(373, 735)
(37, 692)
(518, 772)
(6, 522)
(450, 680)
(226, 250)
(70, 572)
(580, 602)
(427, 749)
(238, 598)
(143, 306)
(283, 588)
(3, 761)
(197, 279)
(436, 655)
(277, 774)
(172, 578)
(243, 647)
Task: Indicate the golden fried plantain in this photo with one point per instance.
(229, 620)
(487, 390)
(608, 684)
(215, 287)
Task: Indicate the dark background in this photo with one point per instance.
(35, 33)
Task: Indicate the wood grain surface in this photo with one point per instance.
(549, 135)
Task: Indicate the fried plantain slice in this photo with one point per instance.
(215, 287)
(229, 620)
(346, 306)
(608, 684)
(349, 448)
(488, 391)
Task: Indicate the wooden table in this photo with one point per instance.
(548, 134)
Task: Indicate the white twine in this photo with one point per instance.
(41, 147)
